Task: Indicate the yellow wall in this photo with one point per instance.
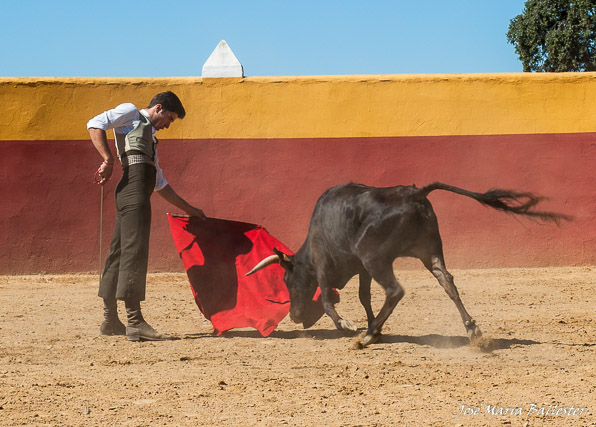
(262, 150)
(313, 107)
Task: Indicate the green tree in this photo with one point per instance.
(555, 35)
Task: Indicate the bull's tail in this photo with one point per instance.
(514, 202)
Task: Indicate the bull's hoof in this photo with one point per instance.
(369, 339)
(473, 331)
(346, 325)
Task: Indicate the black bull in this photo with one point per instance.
(356, 229)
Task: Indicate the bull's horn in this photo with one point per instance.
(271, 259)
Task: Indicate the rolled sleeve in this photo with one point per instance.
(120, 117)
(160, 181)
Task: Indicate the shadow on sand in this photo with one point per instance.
(432, 340)
(441, 341)
(318, 334)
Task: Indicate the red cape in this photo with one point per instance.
(216, 255)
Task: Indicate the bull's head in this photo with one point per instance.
(300, 281)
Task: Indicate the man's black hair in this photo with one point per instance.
(170, 102)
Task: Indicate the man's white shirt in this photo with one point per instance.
(123, 119)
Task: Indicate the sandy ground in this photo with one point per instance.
(56, 370)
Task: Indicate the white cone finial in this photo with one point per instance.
(222, 63)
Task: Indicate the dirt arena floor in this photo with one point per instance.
(537, 366)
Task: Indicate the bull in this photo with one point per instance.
(360, 230)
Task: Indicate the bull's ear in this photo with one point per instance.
(285, 260)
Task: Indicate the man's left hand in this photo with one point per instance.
(192, 211)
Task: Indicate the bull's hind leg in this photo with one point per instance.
(394, 292)
(436, 265)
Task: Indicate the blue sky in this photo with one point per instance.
(148, 38)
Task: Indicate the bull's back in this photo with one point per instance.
(343, 213)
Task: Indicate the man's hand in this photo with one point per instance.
(174, 199)
(104, 172)
(100, 141)
(192, 211)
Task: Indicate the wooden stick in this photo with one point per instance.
(100, 230)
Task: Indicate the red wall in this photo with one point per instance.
(50, 205)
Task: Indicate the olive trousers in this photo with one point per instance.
(125, 272)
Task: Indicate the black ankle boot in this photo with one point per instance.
(138, 329)
(111, 324)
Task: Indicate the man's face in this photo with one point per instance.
(162, 119)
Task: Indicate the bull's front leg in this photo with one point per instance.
(364, 294)
(329, 298)
(394, 292)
